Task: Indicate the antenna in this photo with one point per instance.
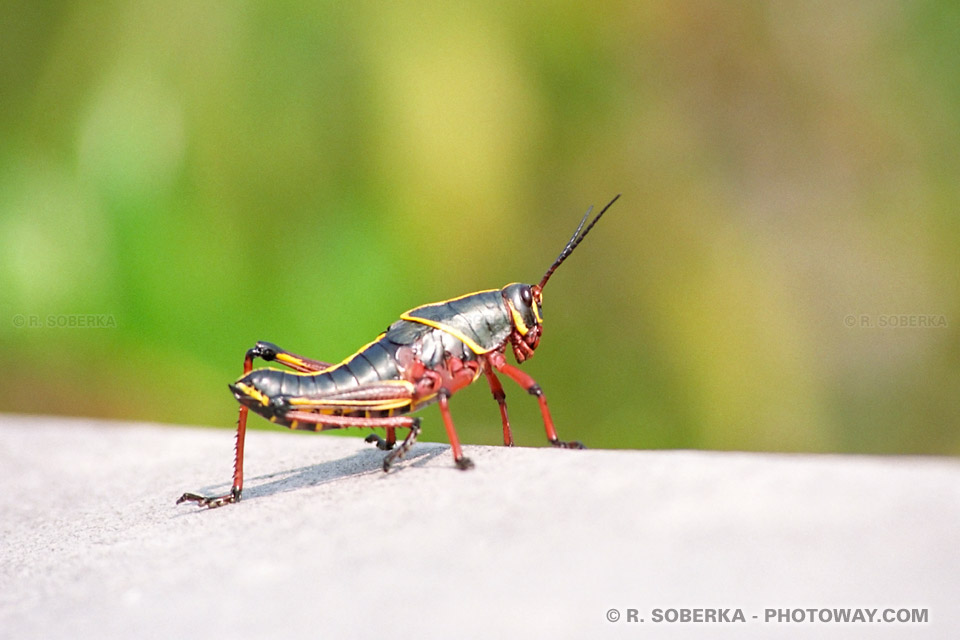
(576, 239)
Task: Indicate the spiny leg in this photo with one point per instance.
(271, 353)
(404, 447)
(237, 489)
(530, 385)
(501, 397)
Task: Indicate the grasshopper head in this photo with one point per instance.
(526, 313)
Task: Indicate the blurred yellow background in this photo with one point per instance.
(781, 273)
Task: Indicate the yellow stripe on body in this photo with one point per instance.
(331, 367)
(253, 393)
(367, 405)
(471, 344)
(288, 359)
(517, 319)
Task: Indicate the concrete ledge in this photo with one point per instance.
(533, 543)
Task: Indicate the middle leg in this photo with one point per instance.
(501, 397)
(462, 462)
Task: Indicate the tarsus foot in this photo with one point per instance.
(211, 502)
(381, 443)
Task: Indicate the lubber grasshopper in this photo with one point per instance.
(426, 356)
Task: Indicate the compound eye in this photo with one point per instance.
(526, 296)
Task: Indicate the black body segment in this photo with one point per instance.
(382, 358)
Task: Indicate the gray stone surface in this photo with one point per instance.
(533, 543)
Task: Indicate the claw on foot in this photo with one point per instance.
(464, 463)
(573, 444)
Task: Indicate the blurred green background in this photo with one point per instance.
(200, 175)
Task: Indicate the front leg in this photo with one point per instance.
(498, 362)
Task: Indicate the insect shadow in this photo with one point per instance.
(364, 462)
